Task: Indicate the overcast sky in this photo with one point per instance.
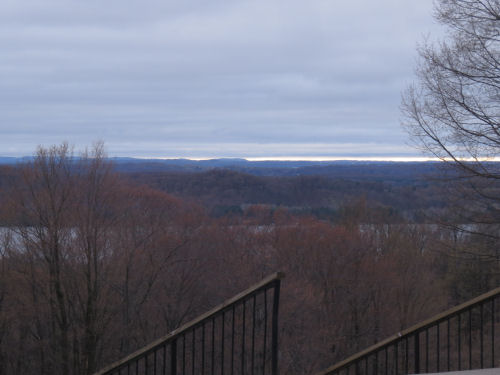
(188, 78)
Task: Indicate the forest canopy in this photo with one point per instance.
(95, 263)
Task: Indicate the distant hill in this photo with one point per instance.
(225, 190)
(6, 160)
(379, 170)
(322, 188)
(360, 170)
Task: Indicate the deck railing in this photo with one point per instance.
(462, 338)
(240, 336)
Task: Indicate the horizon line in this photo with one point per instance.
(293, 158)
(289, 158)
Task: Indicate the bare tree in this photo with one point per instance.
(43, 207)
(453, 113)
(63, 207)
(91, 266)
(4, 320)
(454, 109)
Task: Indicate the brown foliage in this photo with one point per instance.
(93, 267)
(89, 261)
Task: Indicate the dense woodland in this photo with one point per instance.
(96, 262)
(321, 192)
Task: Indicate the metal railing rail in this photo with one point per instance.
(235, 337)
(461, 338)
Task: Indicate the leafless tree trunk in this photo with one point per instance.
(64, 216)
(43, 205)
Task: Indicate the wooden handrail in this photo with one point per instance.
(414, 329)
(170, 336)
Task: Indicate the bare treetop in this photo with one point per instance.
(453, 111)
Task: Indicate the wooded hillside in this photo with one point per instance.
(95, 263)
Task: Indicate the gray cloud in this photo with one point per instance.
(196, 78)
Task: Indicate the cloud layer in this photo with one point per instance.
(204, 79)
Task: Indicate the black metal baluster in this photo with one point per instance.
(406, 354)
(222, 345)
(265, 333)
(459, 329)
(173, 358)
(438, 348)
(481, 333)
(243, 340)
(448, 342)
(386, 360)
(213, 346)
(396, 357)
(183, 354)
(493, 332)
(427, 350)
(470, 339)
(164, 367)
(203, 348)
(417, 352)
(193, 350)
(253, 334)
(275, 328)
(232, 343)
(154, 363)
